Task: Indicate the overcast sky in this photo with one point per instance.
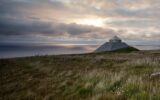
(79, 21)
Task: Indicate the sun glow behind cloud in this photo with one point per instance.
(98, 22)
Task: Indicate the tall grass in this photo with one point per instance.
(124, 76)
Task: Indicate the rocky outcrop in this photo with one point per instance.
(155, 76)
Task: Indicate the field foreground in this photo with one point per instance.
(103, 76)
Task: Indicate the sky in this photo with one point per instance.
(79, 22)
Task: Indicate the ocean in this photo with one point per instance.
(10, 51)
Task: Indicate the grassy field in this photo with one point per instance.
(103, 76)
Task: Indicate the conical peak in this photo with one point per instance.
(115, 39)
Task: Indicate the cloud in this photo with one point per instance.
(35, 29)
(130, 19)
(19, 27)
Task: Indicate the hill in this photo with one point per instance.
(122, 50)
(95, 76)
(115, 44)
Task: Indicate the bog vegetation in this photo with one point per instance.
(104, 76)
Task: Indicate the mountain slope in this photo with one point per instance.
(111, 46)
(115, 44)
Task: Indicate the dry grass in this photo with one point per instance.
(112, 76)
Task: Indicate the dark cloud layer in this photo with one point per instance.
(12, 26)
(9, 26)
(18, 25)
(129, 19)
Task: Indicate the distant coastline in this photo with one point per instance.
(11, 51)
